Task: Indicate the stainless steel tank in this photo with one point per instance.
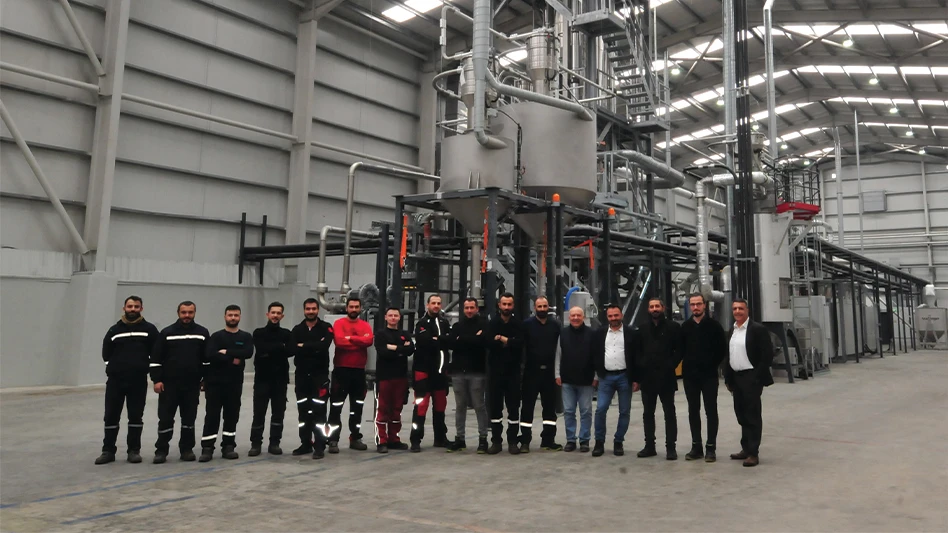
(465, 164)
(541, 60)
(557, 155)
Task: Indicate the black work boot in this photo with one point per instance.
(648, 450)
(398, 445)
(570, 447)
(584, 446)
(206, 455)
(599, 448)
(525, 447)
(459, 445)
(695, 452)
(254, 450)
(670, 453)
(333, 447)
(513, 447)
(160, 458)
(617, 449)
(228, 452)
(553, 447)
(415, 447)
(709, 455)
(495, 447)
(134, 456)
(482, 445)
(188, 455)
(440, 443)
(305, 449)
(381, 448)
(357, 444)
(105, 458)
(319, 453)
(275, 449)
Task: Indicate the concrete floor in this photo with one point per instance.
(862, 448)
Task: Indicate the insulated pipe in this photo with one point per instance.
(523, 94)
(442, 75)
(771, 88)
(80, 244)
(321, 286)
(350, 204)
(667, 177)
(680, 191)
(481, 56)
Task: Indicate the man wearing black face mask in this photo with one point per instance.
(659, 355)
(126, 349)
(541, 335)
(270, 379)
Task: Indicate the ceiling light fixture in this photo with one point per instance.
(873, 81)
(720, 102)
(755, 127)
(806, 163)
(893, 110)
(921, 151)
(848, 43)
(784, 146)
(675, 71)
(910, 133)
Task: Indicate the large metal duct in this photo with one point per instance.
(667, 177)
(481, 56)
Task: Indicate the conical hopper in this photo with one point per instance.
(533, 223)
(465, 164)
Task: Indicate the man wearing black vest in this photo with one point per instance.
(270, 379)
(746, 374)
(575, 370)
(126, 350)
(176, 371)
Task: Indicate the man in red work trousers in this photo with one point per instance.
(392, 346)
(430, 372)
(352, 336)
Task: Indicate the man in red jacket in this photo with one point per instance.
(352, 336)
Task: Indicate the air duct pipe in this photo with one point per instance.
(321, 286)
(350, 209)
(481, 56)
(667, 177)
(704, 262)
(523, 94)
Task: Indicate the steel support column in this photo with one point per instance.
(559, 293)
(911, 325)
(890, 307)
(852, 298)
(381, 272)
(607, 284)
(105, 137)
(297, 202)
(490, 281)
(875, 296)
(397, 263)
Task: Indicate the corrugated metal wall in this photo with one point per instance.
(181, 182)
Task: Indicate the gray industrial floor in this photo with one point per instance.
(862, 448)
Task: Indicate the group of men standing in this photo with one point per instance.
(493, 365)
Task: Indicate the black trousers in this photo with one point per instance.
(747, 390)
(346, 383)
(431, 390)
(650, 397)
(538, 382)
(695, 389)
(119, 393)
(178, 394)
(503, 388)
(312, 397)
(268, 392)
(221, 397)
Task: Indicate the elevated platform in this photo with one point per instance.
(800, 210)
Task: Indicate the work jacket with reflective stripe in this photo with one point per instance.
(127, 348)
(178, 353)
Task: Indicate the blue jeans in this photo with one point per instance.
(573, 395)
(609, 384)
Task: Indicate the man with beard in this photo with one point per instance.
(541, 337)
(226, 355)
(270, 379)
(658, 356)
(430, 374)
(176, 372)
(505, 345)
(310, 342)
(393, 346)
(468, 339)
(615, 367)
(352, 336)
(703, 348)
(126, 349)
(576, 372)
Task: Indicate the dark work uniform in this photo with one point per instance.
(430, 369)
(658, 356)
(504, 377)
(126, 350)
(312, 380)
(176, 363)
(391, 374)
(223, 383)
(270, 378)
(539, 378)
(703, 348)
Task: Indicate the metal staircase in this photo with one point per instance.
(641, 90)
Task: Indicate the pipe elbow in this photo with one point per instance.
(488, 141)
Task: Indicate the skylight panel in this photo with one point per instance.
(862, 29)
(400, 14)
(903, 101)
(790, 136)
(684, 138)
(879, 100)
(892, 29)
(940, 71)
(718, 128)
(937, 27)
(830, 69)
(513, 57)
(808, 68)
(933, 102)
(857, 69)
(884, 70)
(681, 104)
(808, 131)
(702, 133)
(705, 96)
(915, 71)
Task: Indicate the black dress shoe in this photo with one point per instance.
(710, 456)
(671, 454)
(617, 449)
(599, 449)
(570, 447)
(648, 451)
(303, 450)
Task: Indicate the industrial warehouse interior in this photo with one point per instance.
(459, 165)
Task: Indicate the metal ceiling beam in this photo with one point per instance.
(809, 16)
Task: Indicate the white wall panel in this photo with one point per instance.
(68, 173)
(47, 121)
(362, 81)
(32, 224)
(32, 359)
(46, 20)
(366, 50)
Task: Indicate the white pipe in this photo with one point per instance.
(205, 116)
(681, 191)
(668, 177)
(49, 77)
(86, 45)
(481, 56)
(839, 189)
(581, 111)
(771, 88)
(321, 286)
(38, 172)
(441, 75)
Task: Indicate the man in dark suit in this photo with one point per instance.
(746, 374)
(614, 358)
